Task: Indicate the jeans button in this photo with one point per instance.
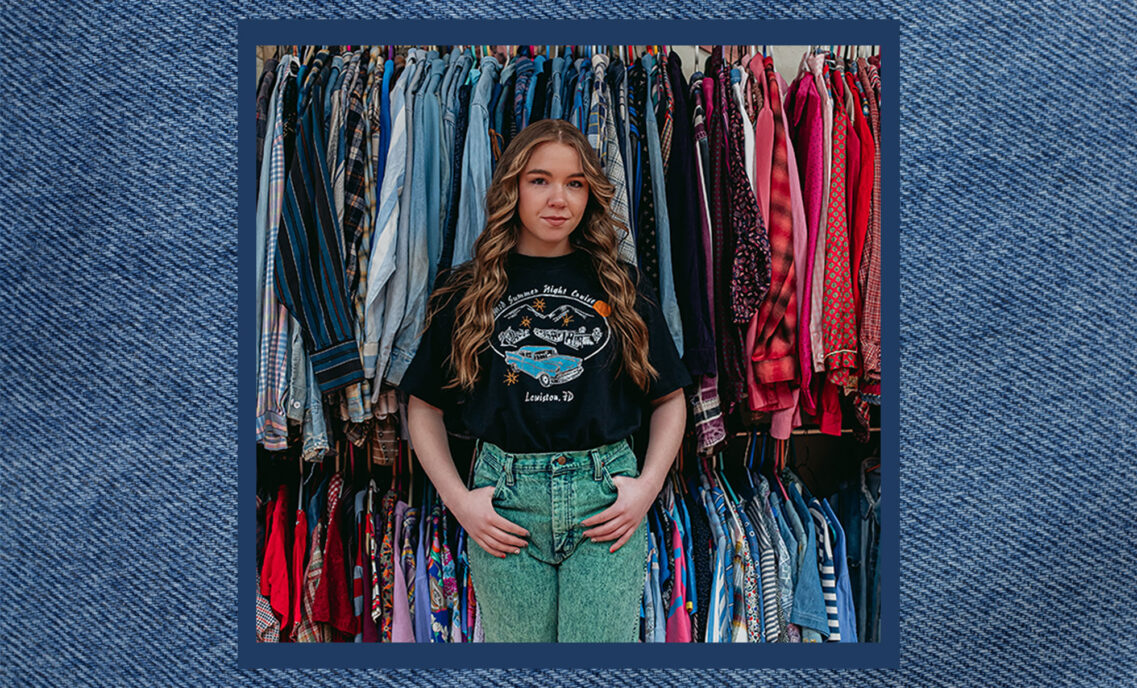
(562, 460)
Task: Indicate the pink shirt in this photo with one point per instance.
(817, 287)
(763, 140)
(785, 420)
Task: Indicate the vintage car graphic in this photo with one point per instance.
(544, 364)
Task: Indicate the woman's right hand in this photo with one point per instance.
(493, 533)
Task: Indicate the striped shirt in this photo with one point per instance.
(828, 571)
(718, 615)
(310, 278)
(272, 352)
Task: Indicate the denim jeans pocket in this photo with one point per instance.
(623, 463)
(486, 473)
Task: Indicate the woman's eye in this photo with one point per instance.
(537, 180)
(576, 184)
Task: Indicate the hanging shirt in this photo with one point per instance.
(401, 629)
(773, 330)
(869, 335)
(839, 318)
(803, 110)
(332, 602)
(549, 375)
(274, 573)
(816, 331)
(763, 137)
(309, 259)
(686, 231)
(828, 572)
(309, 630)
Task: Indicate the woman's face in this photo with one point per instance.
(552, 196)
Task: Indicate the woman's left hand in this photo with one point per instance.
(619, 521)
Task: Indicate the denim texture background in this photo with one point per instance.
(118, 263)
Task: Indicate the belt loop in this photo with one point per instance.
(507, 468)
(597, 456)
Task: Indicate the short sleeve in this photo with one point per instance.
(429, 372)
(662, 354)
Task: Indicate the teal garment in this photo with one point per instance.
(561, 587)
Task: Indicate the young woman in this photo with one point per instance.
(548, 350)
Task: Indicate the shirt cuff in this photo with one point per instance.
(337, 366)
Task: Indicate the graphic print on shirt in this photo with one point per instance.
(548, 335)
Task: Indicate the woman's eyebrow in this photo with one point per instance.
(549, 174)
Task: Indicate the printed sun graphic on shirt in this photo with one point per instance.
(547, 336)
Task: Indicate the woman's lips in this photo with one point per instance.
(555, 221)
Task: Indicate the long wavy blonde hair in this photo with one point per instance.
(482, 282)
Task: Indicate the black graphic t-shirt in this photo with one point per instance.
(549, 377)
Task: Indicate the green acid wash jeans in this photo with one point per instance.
(562, 587)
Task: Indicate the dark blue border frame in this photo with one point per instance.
(886, 653)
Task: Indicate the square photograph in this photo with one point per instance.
(565, 344)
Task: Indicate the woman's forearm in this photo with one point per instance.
(668, 422)
(428, 437)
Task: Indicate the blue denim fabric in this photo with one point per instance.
(557, 81)
(667, 299)
(380, 323)
(867, 580)
(525, 77)
(413, 264)
(508, 73)
(578, 113)
(476, 165)
(531, 93)
(809, 605)
(584, 83)
(456, 68)
(1007, 191)
(424, 221)
(459, 72)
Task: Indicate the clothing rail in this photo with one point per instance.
(805, 431)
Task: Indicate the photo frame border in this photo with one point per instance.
(883, 654)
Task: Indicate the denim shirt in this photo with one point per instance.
(477, 167)
(809, 604)
(423, 225)
(667, 298)
(384, 246)
(407, 240)
(556, 84)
